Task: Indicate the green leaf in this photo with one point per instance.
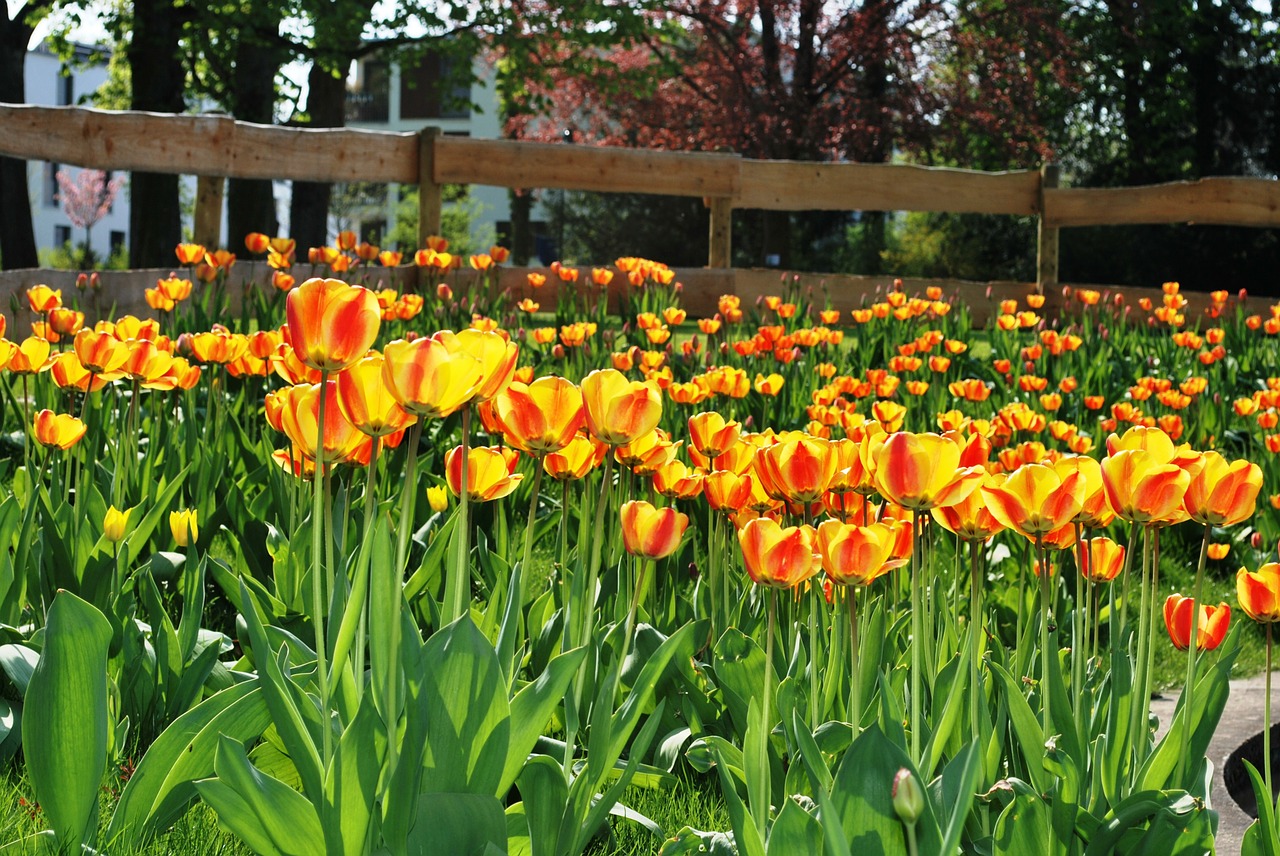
(1026, 727)
(546, 795)
(467, 713)
(266, 808)
(141, 533)
(1023, 828)
(33, 845)
(739, 669)
(795, 831)
(64, 731)
(862, 798)
(351, 782)
(458, 824)
(531, 709)
(161, 787)
(18, 662)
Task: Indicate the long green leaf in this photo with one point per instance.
(64, 731)
(531, 709)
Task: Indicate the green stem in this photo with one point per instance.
(815, 604)
(565, 496)
(1136, 725)
(1077, 627)
(317, 574)
(457, 588)
(597, 543)
(912, 847)
(1046, 714)
(975, 621)
(408, 497)
(917, 645)
(1118, 636)
(855, 687)
(1266, 726)
(1188, 692)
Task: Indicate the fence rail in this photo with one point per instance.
(216, 147)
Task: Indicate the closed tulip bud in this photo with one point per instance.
(115, 523)
(651, 532)
(438, 498)
(908, 798)
(183, 526)
(331, 324)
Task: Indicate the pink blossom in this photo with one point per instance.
(88, 197)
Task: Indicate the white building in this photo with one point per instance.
(385, 96)
(50, 82)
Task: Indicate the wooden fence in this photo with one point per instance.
(214, 148)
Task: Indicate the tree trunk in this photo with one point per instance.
(17, 236)
(309, 206)
(251, 204)
(155, 219)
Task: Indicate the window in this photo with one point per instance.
(117, 241)
(435, 88)
(66, 90)
(50, 185)
(61, 236)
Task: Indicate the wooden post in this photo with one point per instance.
(1047, 239)
(207, 230)
(721, 243)
(430, 198)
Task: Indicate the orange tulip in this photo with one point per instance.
(496, 354)
(42, 298)
(1222, 493)
(69, 373)
(540, 417)
(1259, 592)
(857, 555)
(331, 324)
(299, 416)
(970, 518)
(189, 254)
(488, 476)
(798, 470)
(711, 434)
(174, 289)
(728, 491)
(31, 356)
(619, 410)
(429, 379)
(1218, 551)
(57, 430)
(1095, 513)
(1211, 623)
(100, 353)
(366, 401)
(1143, 490)
(676, 481)
(145, 362)
(575, 460)
(1035, 499)
(1103, 561)
(922, 471)
(64, 321)
(218, 346)
(778, 557)
(647, 453)
(651, 532)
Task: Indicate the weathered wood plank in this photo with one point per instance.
(720, 249)
(1209, 201)
(208, 218)
(803, 186)
(1047, 236)
(204, 145)
(430, 193)
(506, 163)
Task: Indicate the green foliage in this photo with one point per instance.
(457, 219)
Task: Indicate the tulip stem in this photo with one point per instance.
(917, 634)
(317, 574)
(975, 629)
(1078, 630)
(408, 497)
(1046, 713)
(1188, 692)
(361, 581)
(528, 531)
(1118, 634)
(1266, 726)
(457, 588)
(565, 507)
(767, 698)
(597, 542)
(1136, 724)
(855, 687)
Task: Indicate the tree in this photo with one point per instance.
(86, 200)
(17, 236)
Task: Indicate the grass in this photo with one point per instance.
(693, 801)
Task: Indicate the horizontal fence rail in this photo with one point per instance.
(216, 147)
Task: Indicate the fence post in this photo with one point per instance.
(1047, 238)
(720, 253)
(430, 198)
(207, 230)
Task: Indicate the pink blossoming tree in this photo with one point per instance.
(86, 199)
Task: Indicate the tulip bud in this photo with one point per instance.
(908, 799)
(95, 281)
(438, 498)
(82, 281)
(444, 292)
(1255, 540)
(113, 525)
(183, 526)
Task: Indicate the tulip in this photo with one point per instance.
(438, 498)
(970, 518)
(797, 470)
(857, 555)
(1221, 493)
(676, 481)
(42, 298)
(575, 460)
(1035, 499)
(1103, 561)
(1259, 593)
(367, 403)
(540, 417)
(100, 353)
(114, 524)
(921, 471)
(31, 356)
(488, 476)
(331, 324)
(496, 354)
(727, 491)
(1141, 489)
(1211, 623)
(58, 430)
(776, 557)
(183, 526)
(619, 410)
(300, 418)
(653, 533)
(429, 379)
(711, 435)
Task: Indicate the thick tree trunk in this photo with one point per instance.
(17, 236)
(251, 204)
(309, 206)
(155, 219)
